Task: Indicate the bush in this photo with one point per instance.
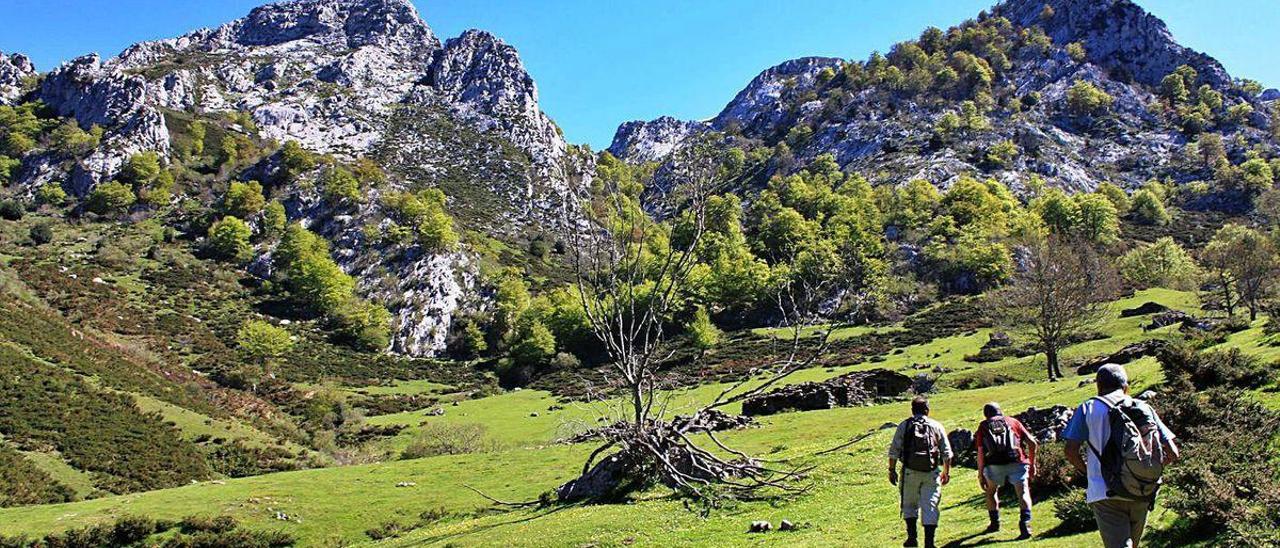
(1054, 473)
(243, 200)
(448, 439)
(42, 233)
(1076, 514)
(1148, 208)
(1187, 368)
(365, 325)
(263, 341)
(1227, 487)
(1161, 264)
(12, 210)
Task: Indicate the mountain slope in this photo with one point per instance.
(894, 117)
(351, 79)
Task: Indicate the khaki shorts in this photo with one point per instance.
(1120, 522)
(921, 495)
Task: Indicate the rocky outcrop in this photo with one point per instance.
(964, 452)
(1145, 309)
(1129, 353)
(99, 95)
(640, 141)
(759, 108)
(15, 70)
(1118, 35)
(851, 389)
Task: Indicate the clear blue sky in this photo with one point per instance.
(599, 63)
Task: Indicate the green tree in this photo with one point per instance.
(1148, 208)
(229, 240)
(110, 197)
(1119, 198)
(51, 194)
(198, 132)
(1076, 51)
(8, 167)
(1002, 154)
(1060, 213)
(310, 273)
(295, 160)
(1248, 260)
(1160, 264)
(243, 200)
(274, 218)
(263, 342)
(1256, 176)
(339, 185)
(141, 169)
(366, 325)
(535, 344)
(702, 332)
(1084, 99)
(1098, 221)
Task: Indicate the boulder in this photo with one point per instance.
(857, 388)
(1046, 424)
(998, 339)
(1144, 309)
(1178, 317)
(962, 446)
(1150, 347)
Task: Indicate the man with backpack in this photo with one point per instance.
(921, 444)
(1006, 454)
(1127, 447)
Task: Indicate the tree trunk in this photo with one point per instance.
(1051, 356)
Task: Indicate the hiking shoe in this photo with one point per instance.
(994, 527)
(910, 543)
(1025, 534)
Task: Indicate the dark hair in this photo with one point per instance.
(920, 406)
(991, 409)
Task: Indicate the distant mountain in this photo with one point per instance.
(1016, 63)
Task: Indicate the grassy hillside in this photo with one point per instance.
(850, 504)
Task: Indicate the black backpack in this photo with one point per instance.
(920, 445)
(1132, 461)
(999, 442)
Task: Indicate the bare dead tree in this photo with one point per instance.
(631, 276)
(1062, 288)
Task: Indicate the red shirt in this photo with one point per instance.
(1019, 431)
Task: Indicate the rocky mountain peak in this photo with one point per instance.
(359, 22)
(1117, 34)
(14, 70)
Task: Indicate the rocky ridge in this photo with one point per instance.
(15, 69)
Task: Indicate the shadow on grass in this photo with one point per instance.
(491, 526)
(978, 539)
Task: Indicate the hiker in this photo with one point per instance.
(1006, 454)
(1128, 447)
(921, 444)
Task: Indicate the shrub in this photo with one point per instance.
(12, 210)
(1184, 366)
(263, 341)
(295, 160)
(1002, 154)
(535, 344)
(1054, 474)
(448, 439)
(365, 325)
(274, 218)
(42, 233)
(110, 198)
(338, 184)
(1076, 514)
(1226, 488)
(1148, 208)
(1077, 52)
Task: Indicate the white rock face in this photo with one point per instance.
(640, 141)
(14, 70)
